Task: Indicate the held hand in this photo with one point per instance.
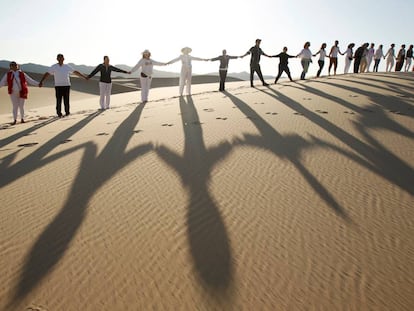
(40, 84)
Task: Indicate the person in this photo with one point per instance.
(359, 54)
(333, 57)
(321, 61)
(370, 55)
(408, 57)
(16, 81)
(105, 81)
(400, 58)
(186, 69)
(61, 73)
(256, 52)
(146, 64)
(349, 53)
(364, 61)
(306, 59)
(390, 55)
(377, 58)
(224, 64)
(283, 64)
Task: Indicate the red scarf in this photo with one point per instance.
(24, 90)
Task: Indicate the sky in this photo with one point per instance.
(86, 30)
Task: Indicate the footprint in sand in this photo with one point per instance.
(251, 118)
(27, 145)
(30, 134)
(36, 308)
(259, 103)
(208, 109)
(272, 113)
(352, 95)
(298, 113)
(102, 134)
(396, 112)
(138, 131)
(367, 110)
(167, 124)
(65, 141)
(321, 111)
(349, 112)
(307, 98)
(220, 118)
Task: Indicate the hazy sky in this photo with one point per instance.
(86, 30)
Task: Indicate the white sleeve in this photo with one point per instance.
(30, 80)
(139, 64)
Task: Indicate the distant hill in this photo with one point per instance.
(36, 68)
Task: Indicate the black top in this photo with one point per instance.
(105, 72)
(224, 60)
(359, 52)
(409, 54)
(283, 58)
(256, 52)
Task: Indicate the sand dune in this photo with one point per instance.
(297, 196)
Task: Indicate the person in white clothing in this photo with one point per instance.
(321, 61)
(186, 69)
(333, 57)
(147, 66)
(370, 55)
(390, 56)
(16, 81)
(61, 73)
(105, 81)
(349, 55)
(306, 59)
(377, 58)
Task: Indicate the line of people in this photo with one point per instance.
(17, 81)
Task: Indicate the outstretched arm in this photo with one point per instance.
(47, 74)
(79, 74)
(30, 80)
(95, 71)
(174, 60)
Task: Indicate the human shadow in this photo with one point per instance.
(14, 137)
(207, 234)
(95, 169)
(374, 157)
(289, 147)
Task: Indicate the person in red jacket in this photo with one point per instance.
(16, 81)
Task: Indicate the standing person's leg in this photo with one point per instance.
(144, 86)
(330, 65)
(59, 95)
(408, 64)
(305, 65)
(357, 62)
(108, 90)
(102, 94)
(279, 74)
(252, 70)
(320, 63)
(14, 97)
(335, 64)
(21, 108)
(259, 73)
(223, 76)
(66, 93)
(188, 80)
(287, 70)
(182, 80)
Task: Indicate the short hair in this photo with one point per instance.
(59, 55)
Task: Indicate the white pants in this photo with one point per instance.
(185, 79)
(390, 63)
(347, 64)
(105, 92)
(18, 104)
(369, 60)
(408, 64)
(145, 86)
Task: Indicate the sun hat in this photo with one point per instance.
(186, 50)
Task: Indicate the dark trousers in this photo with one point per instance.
(376, 64)
(357, 62)
(255, 68)
(399, 64)
(62, 92)
(223, 76)
(321, 63)
(283, 68)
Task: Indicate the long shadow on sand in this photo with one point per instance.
(374, 156)
(208, 238)
(94, 171)
(289, 147)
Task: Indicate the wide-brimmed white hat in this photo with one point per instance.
(146, 52)
(186, 50)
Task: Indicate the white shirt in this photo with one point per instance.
(390, 54)
(16, 81)
(305, 54)
(61, 74)
(334, 51)
(371, 52)
(146, 65)
(378, 54)
(322, 54)
(185, 59)
(348, 53)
